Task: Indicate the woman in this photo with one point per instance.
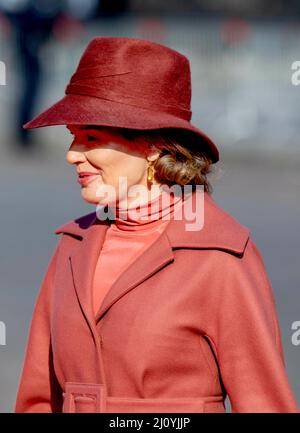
(148, 305)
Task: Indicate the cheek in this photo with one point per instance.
(115, 164)
(133, 168)
(97, 158)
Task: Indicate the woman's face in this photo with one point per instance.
(106, 154)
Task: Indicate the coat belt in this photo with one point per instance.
(86, 397)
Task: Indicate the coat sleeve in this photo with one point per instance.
(247, 338)
(38, 389)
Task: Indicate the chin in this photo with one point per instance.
(89, 197)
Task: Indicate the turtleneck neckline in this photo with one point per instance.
(146, 216)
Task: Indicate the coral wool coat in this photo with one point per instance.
(192, 320)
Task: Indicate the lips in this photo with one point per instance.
(85, 177)
(86, 173)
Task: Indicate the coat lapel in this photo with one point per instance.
(220, 231)
(83, 260)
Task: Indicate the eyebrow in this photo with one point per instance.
(85, 127)
(92, 127)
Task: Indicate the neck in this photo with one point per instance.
(129, 202)
(145, 214)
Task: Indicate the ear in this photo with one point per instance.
(152, 151)
(153, 155)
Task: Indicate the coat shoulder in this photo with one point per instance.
(77, 226)
(220, 230)
(225, 228)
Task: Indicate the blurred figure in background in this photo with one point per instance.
(112, 8)
(33, 23)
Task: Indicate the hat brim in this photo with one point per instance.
(86, 110)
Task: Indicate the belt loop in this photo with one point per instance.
(214, 406)
(68, 402)
(76, 396)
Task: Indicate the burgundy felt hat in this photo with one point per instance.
(129, 83)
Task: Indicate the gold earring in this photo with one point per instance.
(150, 172)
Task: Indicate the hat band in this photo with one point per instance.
(85, 90)
(101, 71)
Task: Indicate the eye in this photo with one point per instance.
(92, 138)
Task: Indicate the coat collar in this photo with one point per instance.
(220, 231)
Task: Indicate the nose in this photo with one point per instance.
(74, 156)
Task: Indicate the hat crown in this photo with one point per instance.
(129, 83)
(136, 69)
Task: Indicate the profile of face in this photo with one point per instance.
(108, 164)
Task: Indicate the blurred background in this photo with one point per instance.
(241, 56)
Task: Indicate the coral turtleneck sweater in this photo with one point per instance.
(128, 235)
